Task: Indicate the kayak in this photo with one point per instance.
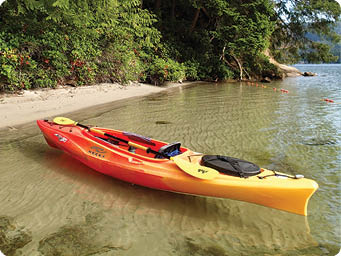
(140, 160)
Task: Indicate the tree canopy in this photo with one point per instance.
(222, 38)
(295, 19)
(44, 43)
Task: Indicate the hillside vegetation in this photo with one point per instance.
(335, 47)
(45, 43)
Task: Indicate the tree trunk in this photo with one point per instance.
(173, 9)
(240, 67)
(206, 12)
(157, 5)
(222, 57)
(194, 23)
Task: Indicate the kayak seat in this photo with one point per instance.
(230, 165)
(172, 149)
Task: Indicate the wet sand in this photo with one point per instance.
(27, 106)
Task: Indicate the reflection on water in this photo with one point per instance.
(69, 209)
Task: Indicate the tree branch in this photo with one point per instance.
(240, 67)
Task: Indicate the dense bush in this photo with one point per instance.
(44, 43)
(161, 70)
(216, 39)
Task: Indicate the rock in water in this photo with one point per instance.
(12, 237)
(266, 80)
(309, 74)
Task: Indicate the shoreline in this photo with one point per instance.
(26, 106)
(30, 105)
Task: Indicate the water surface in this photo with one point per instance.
(62, 207)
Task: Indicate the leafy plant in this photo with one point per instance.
(78, 42)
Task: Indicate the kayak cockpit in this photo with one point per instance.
(172, 149)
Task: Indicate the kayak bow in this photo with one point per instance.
(132, 163)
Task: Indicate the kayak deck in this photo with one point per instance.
(137, 166)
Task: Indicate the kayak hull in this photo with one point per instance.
(288, 194)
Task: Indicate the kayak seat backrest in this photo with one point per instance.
(172, 149)
(231, 166)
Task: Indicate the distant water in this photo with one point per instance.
(57, 206)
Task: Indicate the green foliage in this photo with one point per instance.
(191, 70)
(45, 43)
(294, 19)
(260, 65)
(318, 53)
(55, 42)
(209, 36)
(161, 70)
(15, 65)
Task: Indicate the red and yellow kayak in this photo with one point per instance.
(141, 167)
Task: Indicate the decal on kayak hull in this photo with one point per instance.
(97, 151)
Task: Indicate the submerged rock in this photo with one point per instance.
(208, 249)
(85, 238)
(266, 80)
(309, 74)
(163, 122)
(12, 236)
(319, 142)
(73, 240)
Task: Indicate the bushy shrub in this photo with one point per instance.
(261, 67)
(191, 69)
(50, 43)
(161, 70)
(45, 43)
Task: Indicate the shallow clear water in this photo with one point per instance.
(67, 208)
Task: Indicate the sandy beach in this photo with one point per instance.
(27, 106)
